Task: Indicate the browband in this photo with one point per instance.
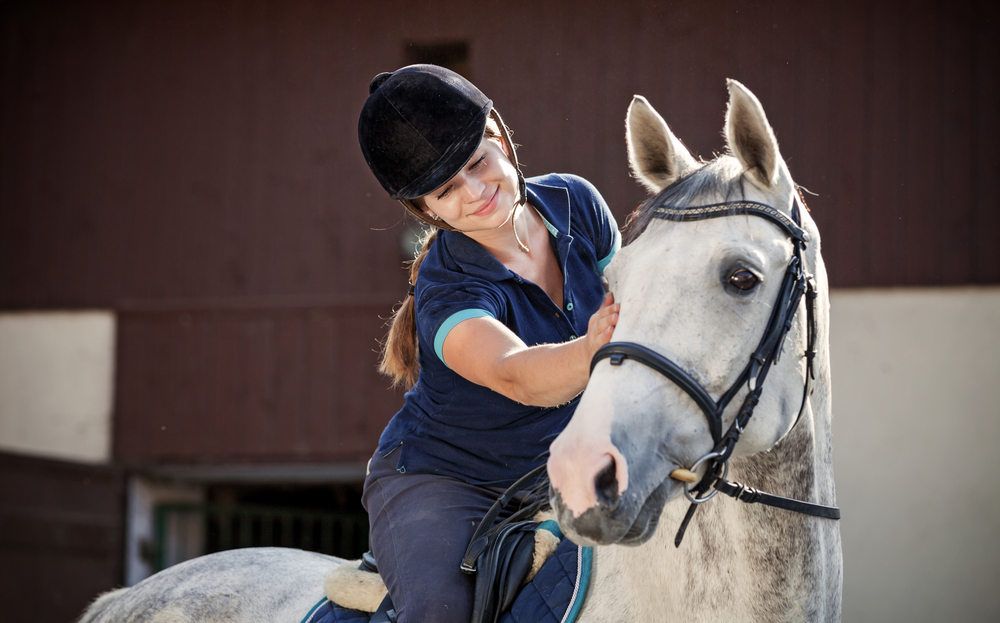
(701, 213)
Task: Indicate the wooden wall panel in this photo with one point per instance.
(240, 382)
(208, 149)
(62, 536)
(185, 149)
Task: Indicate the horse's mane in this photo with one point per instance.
(716, 181)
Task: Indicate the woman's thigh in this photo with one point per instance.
(420, 527)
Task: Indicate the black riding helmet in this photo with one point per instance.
(419, 127)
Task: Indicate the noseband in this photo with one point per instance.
(796, 283)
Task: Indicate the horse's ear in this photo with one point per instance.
(750, 137)
(655, 155)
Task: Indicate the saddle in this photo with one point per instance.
(356, 585)
(500, 554)
(504, 556)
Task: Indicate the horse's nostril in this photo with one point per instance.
(606, 484)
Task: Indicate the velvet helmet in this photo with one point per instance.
(418, 128)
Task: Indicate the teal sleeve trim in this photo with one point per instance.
(601, 265)
(450, 323)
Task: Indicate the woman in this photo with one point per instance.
(494, 340)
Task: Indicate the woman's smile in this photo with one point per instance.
(489, 206)
(482, 196)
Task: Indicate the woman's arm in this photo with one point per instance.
(486, 352)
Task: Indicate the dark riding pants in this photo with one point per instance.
(420, 527)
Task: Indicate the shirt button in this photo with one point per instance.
(569, 307)
(572, 337)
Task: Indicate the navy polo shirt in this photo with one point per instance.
(451, 426)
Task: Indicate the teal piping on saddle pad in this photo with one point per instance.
(584, 558)
(552, 526)
(313, 610)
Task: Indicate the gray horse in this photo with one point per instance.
(701, 294)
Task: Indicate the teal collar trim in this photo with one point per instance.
(549, 226)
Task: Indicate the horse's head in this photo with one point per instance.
(699, 293)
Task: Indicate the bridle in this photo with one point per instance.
(796, 284)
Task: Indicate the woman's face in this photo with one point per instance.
(481, 195)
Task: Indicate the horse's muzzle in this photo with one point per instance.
(627, 522)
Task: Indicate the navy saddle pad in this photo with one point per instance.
(555, 595)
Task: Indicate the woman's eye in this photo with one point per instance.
(743, 280)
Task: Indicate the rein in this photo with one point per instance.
(796, 283)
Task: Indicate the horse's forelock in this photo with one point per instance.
(717, 181)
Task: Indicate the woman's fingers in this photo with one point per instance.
(602, 323)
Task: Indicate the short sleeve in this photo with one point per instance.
(442, 306)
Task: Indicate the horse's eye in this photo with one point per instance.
(743, 280)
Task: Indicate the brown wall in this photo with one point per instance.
(251, 382)
(61, 536)
(198, 160)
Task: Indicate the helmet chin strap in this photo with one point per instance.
(518, 208)
(521, 187)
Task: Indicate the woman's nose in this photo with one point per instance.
(471, 188)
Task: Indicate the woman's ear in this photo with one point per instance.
(422, 205)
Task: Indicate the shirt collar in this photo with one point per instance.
(553, 204)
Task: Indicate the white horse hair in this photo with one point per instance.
(610, 467)
(738, 562)
(255, 585)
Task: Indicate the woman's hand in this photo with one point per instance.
(602, 325)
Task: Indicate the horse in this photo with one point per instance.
(704, 284)
(701, 291)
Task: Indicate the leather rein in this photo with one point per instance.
(796, 284)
